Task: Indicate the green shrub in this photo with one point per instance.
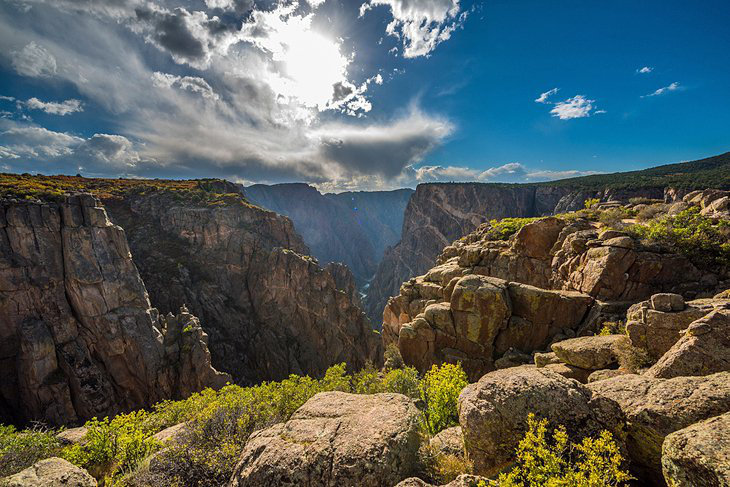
(590, 203)
(113, 447)
(392, 357)
(440, 389)
(506, 227)
(21, 449)
(703, 240)
(403, 381)
(613, 328)
(594, 462)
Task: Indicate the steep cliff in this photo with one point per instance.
(270, 310)
(78, 336)
(352, 228)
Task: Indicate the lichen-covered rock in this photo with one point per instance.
(493, 412)
(335, 440)
(51, 472)
(543, 359)
(703, 349)
(78, 336)
(654, 408)
(483, 319)
(657, 331)
(605, 374)
(591, 352)
(667, 302)
(570, 371)
(699, 454)
(448, 442)
(72, 436)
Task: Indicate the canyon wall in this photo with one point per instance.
(353, 228)
(78, 336)
(270, 310)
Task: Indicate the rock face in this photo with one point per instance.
(493, 412)
(698, 454)
(335, 439)
(352, 228)
(268, 308)
(657, 330)
(703, 349)
(51, 472)
(78, 336)
(654, 408)
(556, 275)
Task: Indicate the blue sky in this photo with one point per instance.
(361, 94)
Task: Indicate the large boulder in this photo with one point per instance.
(493, 412)
(654, 408)
(591, 352)
(698, 454)
(703, 349)
(335, 439)
(51, 472)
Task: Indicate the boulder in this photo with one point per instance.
(698, 454)
(591, 352)
(335, 439)
(657, 331)
(72, 435)
(493, 412)
(667, 302)
(703, 349)
(543, 359)
(605, 374)
(654, 408)
(448, 442)
(51, 472)
(173, 434)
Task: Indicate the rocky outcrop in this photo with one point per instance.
(335, 439)
(654, 408)
(655, 326)
(493, 412)
(698, 454)
(476, 319)
(561, 279)
(51, 472)
(352, 228)
(448, 442)
(268, 308)
(438, 214)
(703, 349)
(78, 336)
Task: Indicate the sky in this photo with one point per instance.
(366, 94)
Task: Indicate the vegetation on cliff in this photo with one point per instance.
(204, 192)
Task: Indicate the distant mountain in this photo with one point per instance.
(353, 228)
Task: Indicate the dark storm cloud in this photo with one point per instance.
(171, 32)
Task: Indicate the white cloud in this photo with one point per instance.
(54, 108)
(34, 61)
(672, 87)
(645, 70)
(194, 84)
(421, 25)
(50, 150)
(543, 98)
(577, 107)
